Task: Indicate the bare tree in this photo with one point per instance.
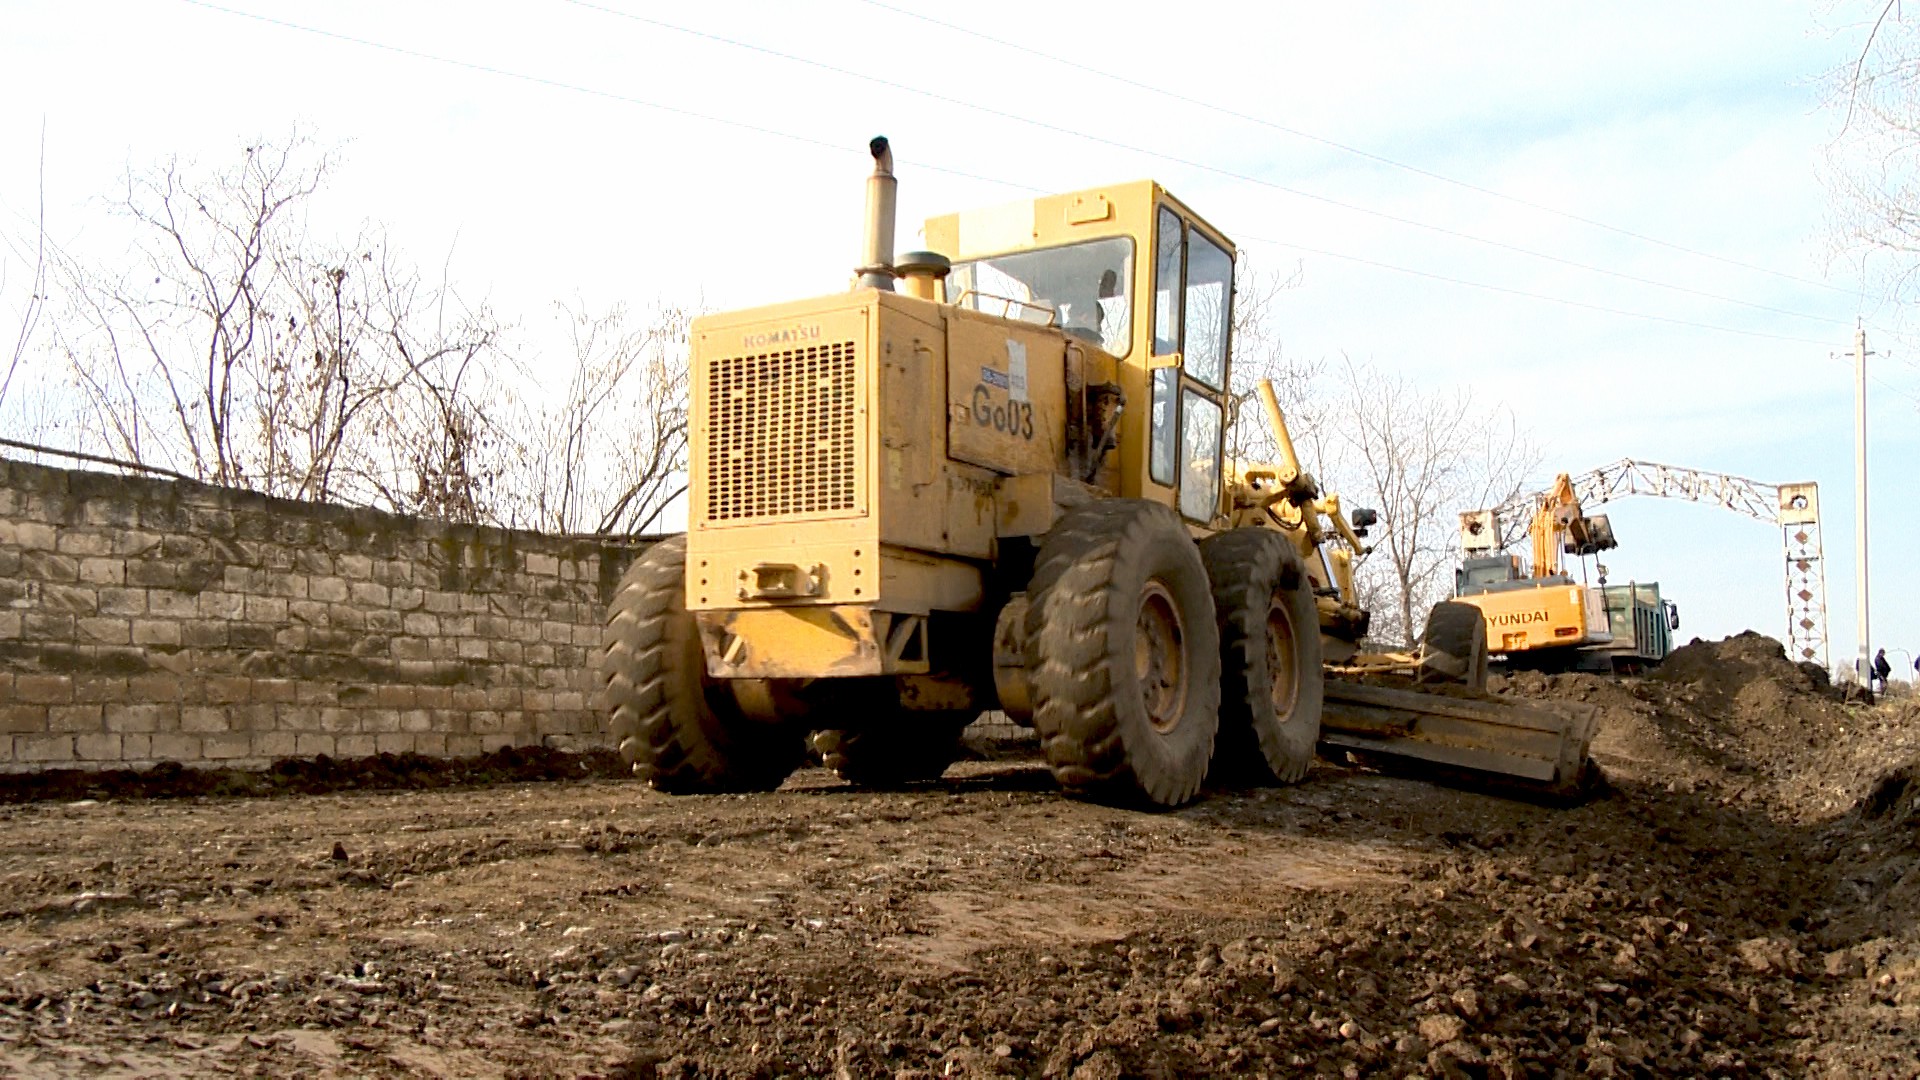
(609, 456)
(246, 352)
(1257, 354)
(1872, 167)
(1418, 457)
(35, 303)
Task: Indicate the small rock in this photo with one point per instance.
(1467, 1001)
(1270, 1025)
(1351, 1030)
(1843, 964)
(1440, 1029)
(1411, 1045)
(1512, 982)
(339, 852)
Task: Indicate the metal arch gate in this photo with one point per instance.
(1794, 508)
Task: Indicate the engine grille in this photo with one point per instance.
(781, 433)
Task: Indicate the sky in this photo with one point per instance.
(1608, 219)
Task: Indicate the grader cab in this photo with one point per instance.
(993, 477)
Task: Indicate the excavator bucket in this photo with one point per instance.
(1533, 748)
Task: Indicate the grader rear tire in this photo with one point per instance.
(1271, 686)
(678, 729)
(1454, 645)
(1123, 654)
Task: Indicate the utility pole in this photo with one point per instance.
(1862, 669)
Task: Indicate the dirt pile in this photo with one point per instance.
(1737, 718)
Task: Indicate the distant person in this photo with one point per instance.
(1881, 669)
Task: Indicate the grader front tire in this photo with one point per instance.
(1271, 686)
(679, 730)
(1123, 654)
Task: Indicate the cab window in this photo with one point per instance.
(1208, 314)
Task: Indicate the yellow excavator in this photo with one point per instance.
(992, 476)
(1537, 615)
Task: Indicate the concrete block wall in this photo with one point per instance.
(144, 620)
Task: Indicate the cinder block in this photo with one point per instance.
(35, 536)
(275, 744)
(43, 689)
(407, 598)
(136, 747)
(317, 693)
(441, 603)
(11, 625)
(266, 609)
(379, 721)
(156, 632)
(308, 744)
(463, 745)
(176, 747)
(43, 748)
(222, 605)
(202, 634)
(275, 691)
(23, 719)
(370, 594)
(332, 590)
(121, 600)
(490, 743)
(416, 720)
(103, 571)
(74, 718)
(471, 648)
(338, 721)
(97, 747)
(155, 688)
(251, 718)
(169, 604)
(394, 743)
(98, 689)
(83, 542)
(204, 719)
(228, 689)
(103, 630)
(347, 746)
(47, 566)
(503, 697)
(146, 717)
(353, 567)
(542, 565)
(231, 745)
(434, 744)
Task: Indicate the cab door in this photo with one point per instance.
(1192, 321)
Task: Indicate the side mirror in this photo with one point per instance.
(1362, 520)
(1673, 616)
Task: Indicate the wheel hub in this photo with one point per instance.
(1159, 658)
(1283, 675)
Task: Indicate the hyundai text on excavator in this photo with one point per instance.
(993, 478)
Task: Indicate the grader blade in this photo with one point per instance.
(1533, 748)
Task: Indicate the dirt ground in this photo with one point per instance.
(1742, 902)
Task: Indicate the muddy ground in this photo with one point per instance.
(1743, 902)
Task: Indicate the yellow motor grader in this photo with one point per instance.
(991, 476)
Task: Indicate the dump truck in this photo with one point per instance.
(1641, 624)
(992, 476)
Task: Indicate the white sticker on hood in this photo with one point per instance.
(1016, 370)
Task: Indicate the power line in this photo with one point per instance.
(1534, 295)
(557, 84)
(1223, 110)
(627, 99)
(1061, 129)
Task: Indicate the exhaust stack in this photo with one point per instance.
(876, 259)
